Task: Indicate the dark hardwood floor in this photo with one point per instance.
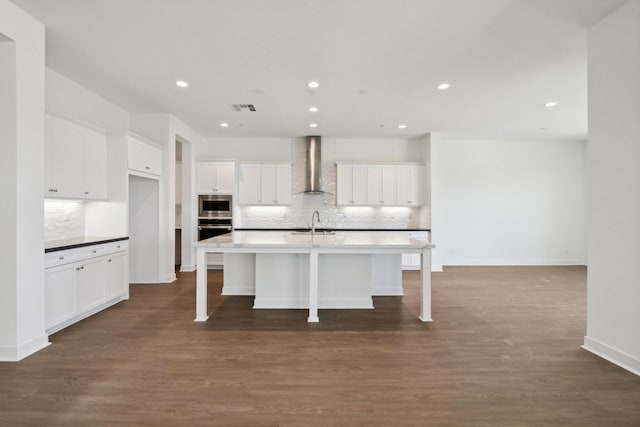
(504, 350)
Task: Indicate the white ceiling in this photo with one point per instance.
(503, 58)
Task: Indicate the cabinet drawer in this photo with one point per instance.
(59, 258)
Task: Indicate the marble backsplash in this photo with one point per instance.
(63, 219)
(298, 214)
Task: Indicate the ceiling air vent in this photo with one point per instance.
(243, 107)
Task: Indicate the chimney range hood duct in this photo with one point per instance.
(314, 166)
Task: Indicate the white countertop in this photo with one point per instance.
(341, 239)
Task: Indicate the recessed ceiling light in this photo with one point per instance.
(313, 125)
(313, 85)
(402, 126)
(224, 125)
(313, 109)
(182, 83)
(443, 86)
(551, 104)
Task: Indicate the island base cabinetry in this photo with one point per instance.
(81, 282)
(282, 280)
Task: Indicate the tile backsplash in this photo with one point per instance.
(63, 219)
(298, 214)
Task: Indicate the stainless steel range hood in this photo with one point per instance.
(313, 177)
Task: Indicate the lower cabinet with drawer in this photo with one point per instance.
(83, 281)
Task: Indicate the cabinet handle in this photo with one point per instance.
(275, 201)
(53, 190)
(60, 257)
(410, 202)
(381, 201)
(86, 193)
(109, 260)
(147, 167)
(94, 252)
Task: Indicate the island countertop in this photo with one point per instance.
(339, 239)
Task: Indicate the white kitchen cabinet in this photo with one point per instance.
(75, 161)
(409, 185)
(264, 184)
(352, 185)
(144, 157)
(216, 177)
(80, 282)
(90, 279)
(381, 185)
(116, 275)
(60, 296)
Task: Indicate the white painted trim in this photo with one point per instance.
(143, 174)
(289, 303)
(187, 268)
(513, 262)
(169, 279)
(70, 321)
(391, 291)
(238, 291)
(617, 357)
(438, 268)
(15, 354)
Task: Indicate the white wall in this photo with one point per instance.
(67, 99)
(22, 323)
(244, 149)
(507, 202)
(613, 281)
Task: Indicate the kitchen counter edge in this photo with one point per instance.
(79, 242)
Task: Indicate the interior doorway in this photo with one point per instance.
(178, 202)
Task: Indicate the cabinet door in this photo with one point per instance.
(416, 185)
(388, 185)
(136, 155)
(153, 157)
(359, 187)
(59, 294)
(64, 153)
(249, 185)
(90, 278)
(374, 182)
(283, 184)
(409, 185)
(224, 177)
(269, 185)
(345, 185)
(206, 178)
(95, 165)
(116, 283)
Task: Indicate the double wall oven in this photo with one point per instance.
(214, 215)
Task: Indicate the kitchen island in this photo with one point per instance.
(303, 270)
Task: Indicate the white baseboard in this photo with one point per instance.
(512, 262)
(187, 268)
(617, 357)
(169, 278)
(282, 303)
(437, 268)
(248, 291)
(15, 354)
(387, 292)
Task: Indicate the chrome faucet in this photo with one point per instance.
(313, 224)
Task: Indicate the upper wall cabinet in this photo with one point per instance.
(352, 185)
(264, 184)
(380, 184)
(144, 157)
(216, 177)
(75, 161)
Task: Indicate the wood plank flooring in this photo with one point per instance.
(504, 350)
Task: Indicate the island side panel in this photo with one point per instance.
(386, 275)
(239, 274)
